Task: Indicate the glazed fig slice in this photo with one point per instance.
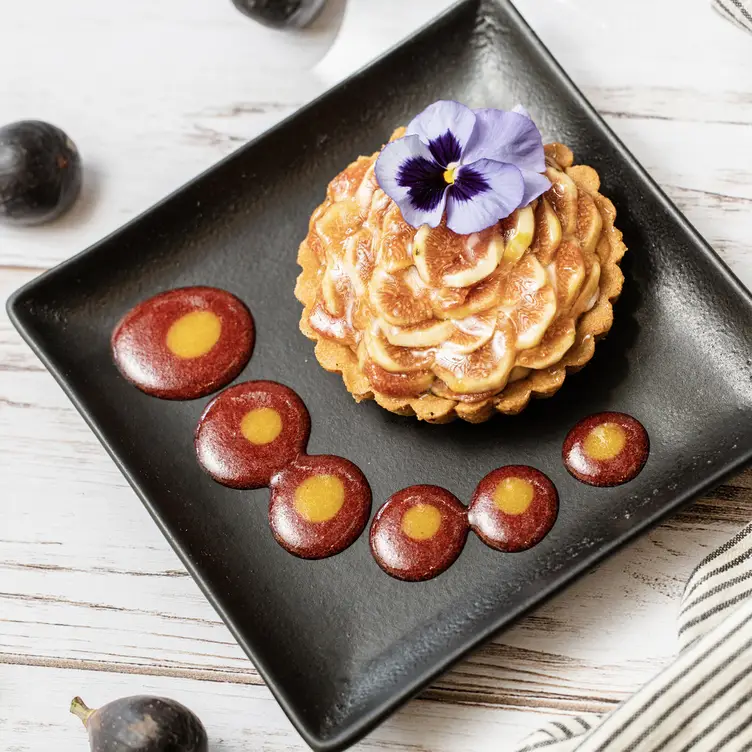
(141, 724)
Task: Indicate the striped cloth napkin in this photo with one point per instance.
(737, 11)
(703, 701)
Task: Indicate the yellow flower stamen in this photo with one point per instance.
(449, 173)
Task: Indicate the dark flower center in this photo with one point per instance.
(468, 183)
(445, 149)
(425, 182)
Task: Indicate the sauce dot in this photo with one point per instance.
(514, 496)
(606, 449)
(249, 432)
(421, 522)
(319, 505)
(319, 498)
(513, 508)
(184, 343)
(194, 334)
(418, 533)
(261, 426)
(605, 441)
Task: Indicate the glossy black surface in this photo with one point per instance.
(341, 644)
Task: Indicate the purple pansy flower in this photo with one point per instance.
(478, 165)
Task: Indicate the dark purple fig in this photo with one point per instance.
(40, 172)
(141, 724)
(281, 14)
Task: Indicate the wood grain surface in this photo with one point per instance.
(92, 599)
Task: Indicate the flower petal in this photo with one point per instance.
(520, 110)
(446, 128)
(408, 174)
(483, 193)
(535, 185)
(506, 137)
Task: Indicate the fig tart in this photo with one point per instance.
(462, 270)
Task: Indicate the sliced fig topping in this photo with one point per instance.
(440, 389)
(335, 287)
(589, 293)
(427, 334)
(445, 259)
(473, 332)
(486, 369)
(547, 232)
(359, 259)
(563, 196)
(396, 359)
(367, 189)
(589, 222)
(533, 316)
(558, 154)
(557, 340)
(331, 327)
(346, 184)
(337, 224)
(518, 230)
(398, 384)
(397, 300)
(569, 273)
(526, 278)
(396, 242)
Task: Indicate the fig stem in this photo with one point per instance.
(79, 708)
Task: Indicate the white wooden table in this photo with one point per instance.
(92, 599)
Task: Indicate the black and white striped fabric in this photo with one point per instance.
(737, 11)
(703, 701)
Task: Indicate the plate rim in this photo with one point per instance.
(345, 736)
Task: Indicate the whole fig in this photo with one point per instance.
(281, 14)
(40, 172)
(141, 724)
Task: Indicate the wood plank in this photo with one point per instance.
(237, 717)
(720, 105)
(638, 44)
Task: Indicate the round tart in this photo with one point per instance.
(432, 323)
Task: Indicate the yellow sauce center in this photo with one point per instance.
(194, 334)
(319, 498)
(261, 426)
(514, 495)
(421, 522)
(605, 442)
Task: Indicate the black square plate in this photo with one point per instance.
(340, 643)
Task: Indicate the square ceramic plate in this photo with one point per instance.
(340, 643)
